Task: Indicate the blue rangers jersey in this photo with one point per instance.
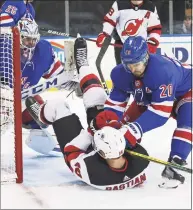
(164, 81)
(42, 64)
(13, 11)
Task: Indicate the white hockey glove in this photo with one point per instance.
(132, 134)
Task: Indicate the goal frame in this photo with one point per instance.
(17, 105)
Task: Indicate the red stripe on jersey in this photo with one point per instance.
(73, 156)
(162, 108)
(71, 148)
(5, 18)
(91, 86)
(110, 21)
(57, 65)
(183, 134)
(187, 95)
(73, 151)
(155, 29)
(124, 104)
(87, 78)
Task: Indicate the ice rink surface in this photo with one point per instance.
(49, 184)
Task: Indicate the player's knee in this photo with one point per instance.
(94, 97)
(54, 110)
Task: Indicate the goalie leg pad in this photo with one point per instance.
(42, 142)
(66, 129)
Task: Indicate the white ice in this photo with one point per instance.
(48, 183)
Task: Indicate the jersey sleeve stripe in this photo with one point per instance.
(72, 152)
(162, 108)
(117, 108)
(183, 135)
(154, 28)
(112, 102)
(55, 69)
(110, 21)
(159, 112)
(5, 18)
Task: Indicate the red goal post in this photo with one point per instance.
(10, 106)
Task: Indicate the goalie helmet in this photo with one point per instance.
(109, 142)
(29, 36)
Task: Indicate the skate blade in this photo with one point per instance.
(169, 183)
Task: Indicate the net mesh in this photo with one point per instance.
(7, 125)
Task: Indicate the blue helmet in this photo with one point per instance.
(134, 50)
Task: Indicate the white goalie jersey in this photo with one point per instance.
(133, 21)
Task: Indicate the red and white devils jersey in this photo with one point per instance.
(131, 20)
(88, 166)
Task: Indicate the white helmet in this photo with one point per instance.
(29, 34)
(109, 142)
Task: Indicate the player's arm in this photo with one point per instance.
(154, 31)
(156, 115)
(11, 12)
(54, 66)
(75, 154)
(109, 23)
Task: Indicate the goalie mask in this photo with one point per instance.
(29, 37)
(109, 142)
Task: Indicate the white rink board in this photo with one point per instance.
(178, 46)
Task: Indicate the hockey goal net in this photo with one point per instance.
(10, 106)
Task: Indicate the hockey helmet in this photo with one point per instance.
(29, 34)
(109, 142)
(134, 50)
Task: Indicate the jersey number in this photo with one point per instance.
(11, 10)
(77, 170)
(166, 91)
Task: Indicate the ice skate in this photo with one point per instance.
(80, 53)
(171, 178)
(35, 108)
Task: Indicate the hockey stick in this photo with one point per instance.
(155, 160)
(58, 33)
(99, 59)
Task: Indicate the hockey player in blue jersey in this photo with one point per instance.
(37, 61)
(11, 12)
(161, 88)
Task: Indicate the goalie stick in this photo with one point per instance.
(99, 59)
